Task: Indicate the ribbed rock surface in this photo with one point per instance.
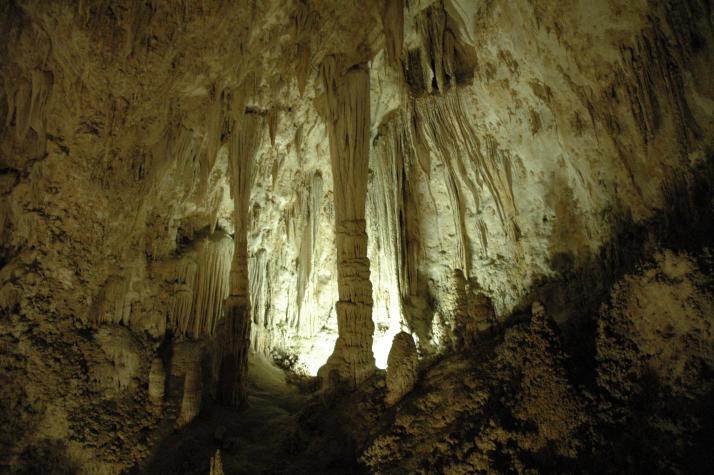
(348, 114)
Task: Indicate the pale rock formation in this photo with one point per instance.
(197, 282)
(348, 115)
(537, 310)
(157, 382)
(402, 368)
(118, 371)
(216, 467)
(192, 394)
(246, 134)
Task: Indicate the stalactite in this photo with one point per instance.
(272, 119)
(114, 302)
(260, 301)
(386, 219)
(651, 65)
(26, 103)
(401, 368)
(235, 337)
(200, 284)
(348, 116)
(441, 59)
(183, 275)
(304, 20)
(445, 126)
(214, 125)
(393, 25)
(306, 259)
(211, 285)
(191, 401)
(432, 25)
(175, 154)
(197, 282)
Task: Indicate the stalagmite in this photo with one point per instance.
(157, 382)
(191, 401)
(348, 124)
(402, 368)
(246, 136)
(216, 464)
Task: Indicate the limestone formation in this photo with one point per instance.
(401, 368)
(247, 132)
(192, 395)
(216, 467)
(187, 187)
(157, 382)
(348, 116)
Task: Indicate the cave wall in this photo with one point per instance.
(522, 138)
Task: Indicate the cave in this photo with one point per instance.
(356, 237)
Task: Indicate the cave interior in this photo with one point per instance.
(356, 236)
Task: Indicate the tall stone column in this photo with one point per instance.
(245, 140)
(348, 125)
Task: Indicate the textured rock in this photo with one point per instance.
(658, 323)
(247, 132)
(157, 382)
(177, 182)
(216, 467)
(348, 114)
(401, 368)
(192, 394)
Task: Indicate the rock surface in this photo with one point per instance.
(402, 366)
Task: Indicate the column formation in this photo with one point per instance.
(348, 126)
(234, 336)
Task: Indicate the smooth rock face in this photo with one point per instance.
(184, 182)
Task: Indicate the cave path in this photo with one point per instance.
(252, 440)
(261, 427)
